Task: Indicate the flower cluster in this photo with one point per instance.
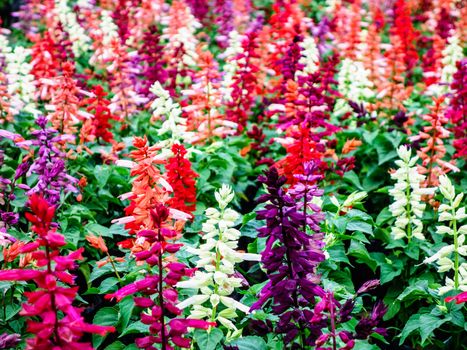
(451, 257)
(291, 254)
(54, 321)
(407, 193)
(182, 179)
(49, 164)
(215, 276)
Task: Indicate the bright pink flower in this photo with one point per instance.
(459, 298)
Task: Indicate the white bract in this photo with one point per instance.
(215, 277)
(310, 56)
(174, 124)
(408, 207)
(354, 84)
(449, 257)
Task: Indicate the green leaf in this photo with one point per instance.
(390, 270)
(108, 285)
(359, 251)
(412, 324)
(208, 340)
(102, 174)
(417, 291)
(337, 253)
(98, 230)
(428, 323)
(250, 343)
(136, 327)
(115, 346)
(107, 316)
(352, 177)
(360, 226)
(383, 217)
(126, 306)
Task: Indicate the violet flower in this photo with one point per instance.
(224, 12)
(291, 254)
(8, 341)
(49, 164)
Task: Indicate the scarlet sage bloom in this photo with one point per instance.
(460, 298)
(45, 64)
(457, 110)
(433, 151)
(203, 113)
(182, 178)
(52, 318)
(244, 83)
(99, 126)
(65, 101)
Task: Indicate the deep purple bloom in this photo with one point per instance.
(152, 61)
(291, 254)
(8, 341)
(368, 325)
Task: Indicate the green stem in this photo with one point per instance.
(114, 267)
(408, 209)
(456, 248)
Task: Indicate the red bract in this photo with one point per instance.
(65, 101)
(45, 64)
(182, 179)
(457, 111)
(98, 126)
(245, 82)
(405, 31)
(52, 318)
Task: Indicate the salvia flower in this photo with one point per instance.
(52, 318)
(215, 277)
(173, 123)
(451, 257)
(291, 254)
(8, 341)
(354, 84)
(182, 179)
(49, 164)
(407, 193)
(166, 327)
(80, 41)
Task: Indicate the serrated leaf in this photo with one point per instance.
(107, 316)
(126, 306)
(416, 291)
(116, 346)
(98, 230)
(428, 323)
(136, 327)
(208, 340)
(108, 285)
(360, 226)
(389, 271)
(102, 174)
(359, 251)
(412, 324)
(250, 343)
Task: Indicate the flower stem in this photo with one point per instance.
(456, 248)
(114, 267)
(161, 297)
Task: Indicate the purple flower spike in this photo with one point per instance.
(292, 254)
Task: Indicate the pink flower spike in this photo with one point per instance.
(19, 275)
(460, 298)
